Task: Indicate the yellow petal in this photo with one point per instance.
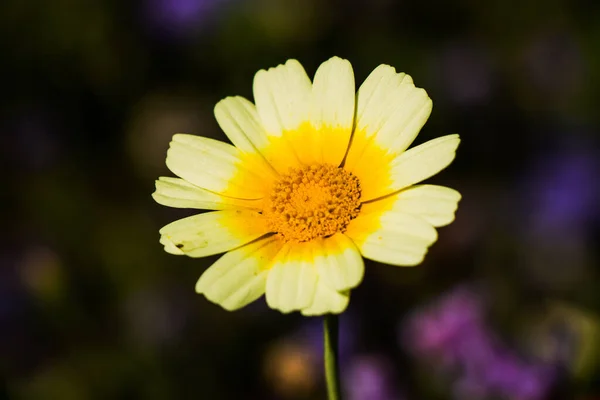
(391, 110)
(338, 261)
(215, 166)
(327, 301)
(283, 96)
(239, 276)
(332, 111)
(304, 276)
(392, 237)
(371, 164)
(213, 232)
(292, 280)
(175, 192)
(393, 173)
(307, 123)
(435, 204)
(390, 113)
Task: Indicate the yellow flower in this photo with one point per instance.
(317, 178)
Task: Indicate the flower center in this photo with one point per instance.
(311, 202)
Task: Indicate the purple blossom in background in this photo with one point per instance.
(439, 327)
(369, 377)
(178, 18)
(473, 346)
(564, 190)
(452, 335)
(561, 205)
(509, 375)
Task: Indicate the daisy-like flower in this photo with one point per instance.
(318, 177)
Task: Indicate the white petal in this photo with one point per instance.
(238, 118)
(282, 95)
(239, 277)
(423, 161)
(394, 252)
(213, 165)
(292, 280)
(435, 204)
(391, 109)
(339, 263)
(392, 237)
(170, 247)
(332, 111)
(213, 232)
(175, 192)
(240, 122)
(327, 301)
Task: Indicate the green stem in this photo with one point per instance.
(330, 350)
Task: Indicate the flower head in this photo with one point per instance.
(317, 178)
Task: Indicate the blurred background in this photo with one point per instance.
(505, 306)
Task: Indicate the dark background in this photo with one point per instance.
(505, 305)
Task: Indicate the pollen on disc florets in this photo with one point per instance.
(311, 202)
